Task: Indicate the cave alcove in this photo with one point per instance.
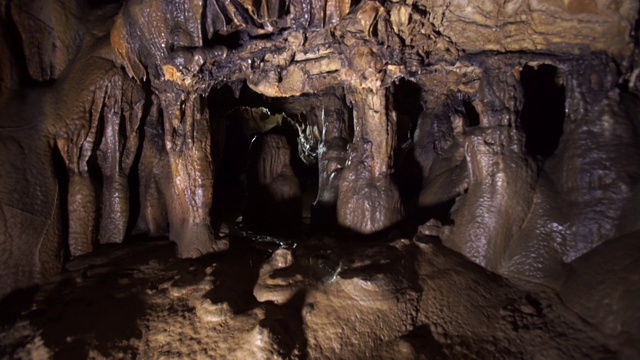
(543, 110)
(238, 121)
(470, 114)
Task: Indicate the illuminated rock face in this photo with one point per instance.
(111, 123)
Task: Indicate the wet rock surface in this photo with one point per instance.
(277, 298)
(507, 131)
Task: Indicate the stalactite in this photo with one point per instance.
(76, 145)
(121, 92)
(119, 145)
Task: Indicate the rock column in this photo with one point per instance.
(368, 201)
(274, 201)
(187, 141)
(501, 177)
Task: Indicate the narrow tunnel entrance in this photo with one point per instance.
(471, 114)
(543, 111)
(406, 101)
(258, 167)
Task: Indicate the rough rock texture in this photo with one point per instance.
(573, 26)
(51, 34)
(497, 199)
(30, 220)
(521, 142)
(115, 155)
(609, 275)
(368, 201)
(154, 171)
(592, 172)
(322, 299)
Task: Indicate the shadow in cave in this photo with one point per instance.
(98, 302)
(62, 178)
(15, 306)
(242, 117)
(16, 303)
(236, 274)
(441, 142)
(440, 212)
(423, 342)
(406, 101)
(101, 312)
(286, 325)
(134, 181)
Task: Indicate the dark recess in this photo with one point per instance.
(543, 111)
(471, 114)
(62, 177)
(405, 100)
(408, 107)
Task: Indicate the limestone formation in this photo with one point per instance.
(507, 130)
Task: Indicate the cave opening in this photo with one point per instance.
(471, 114)
(543, 110)
(407, 103)
(245, 129)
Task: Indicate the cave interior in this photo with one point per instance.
(319, 179)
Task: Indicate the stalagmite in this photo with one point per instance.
(500, 177)
(273, 196)
(368, 201)
(581, 173)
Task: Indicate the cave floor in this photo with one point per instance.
(315, 297)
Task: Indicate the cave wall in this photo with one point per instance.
(584, 188)
(119, 90)
(544, 26)
(518, 213)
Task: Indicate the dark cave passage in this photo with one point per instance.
(240, 122)
(471, 114)
(408, 106)
(543, 111)
(407, 103)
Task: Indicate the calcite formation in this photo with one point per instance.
(508, 128)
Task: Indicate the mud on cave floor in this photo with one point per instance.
(314, 297)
